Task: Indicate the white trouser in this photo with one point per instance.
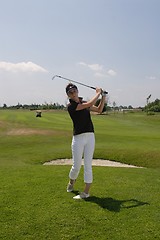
(82, 144)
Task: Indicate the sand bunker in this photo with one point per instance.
(95, 162)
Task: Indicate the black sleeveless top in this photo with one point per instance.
(82, 122)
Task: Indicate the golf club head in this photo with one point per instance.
(54, 77)
(57, 76)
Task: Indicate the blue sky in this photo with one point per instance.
(113, 44)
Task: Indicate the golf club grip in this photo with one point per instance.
(105, 92)
(102, 90)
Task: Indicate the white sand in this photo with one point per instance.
(95, 162)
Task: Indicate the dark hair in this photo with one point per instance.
(70, 86)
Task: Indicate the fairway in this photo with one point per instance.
(34, 204)
(132, 138)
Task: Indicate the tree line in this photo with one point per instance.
(150, 106)
(33, 106)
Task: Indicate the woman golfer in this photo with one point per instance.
(83, 141)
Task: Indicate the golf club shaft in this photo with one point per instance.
(77, 82)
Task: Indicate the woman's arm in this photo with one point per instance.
(100, 107)
(91, 102)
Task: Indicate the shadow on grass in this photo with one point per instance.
(114, 205)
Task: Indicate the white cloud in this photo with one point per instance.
(99, 70)
(99, 74)
(83, 64)
(94, 67)
(111, 73)
(21, 67)
(151, 77)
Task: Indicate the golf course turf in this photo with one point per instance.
(34, 204)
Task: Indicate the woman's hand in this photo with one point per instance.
(98, 90)
(103, 93)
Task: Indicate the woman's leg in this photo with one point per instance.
(88, 156)
(77, 152)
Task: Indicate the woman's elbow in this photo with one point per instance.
(99, 110)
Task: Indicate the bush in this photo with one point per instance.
(153, 106)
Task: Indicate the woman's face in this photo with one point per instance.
(73, 94)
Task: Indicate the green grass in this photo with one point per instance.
(34, 204)
(129, 138)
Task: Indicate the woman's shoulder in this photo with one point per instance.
(72, 105)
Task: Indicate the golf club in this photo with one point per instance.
(76, 82)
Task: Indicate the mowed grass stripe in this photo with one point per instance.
(35, 204)
(128, 138)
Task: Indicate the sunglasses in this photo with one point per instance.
(72, 90)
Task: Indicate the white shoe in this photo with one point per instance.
(69, 187)
(81, 196)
